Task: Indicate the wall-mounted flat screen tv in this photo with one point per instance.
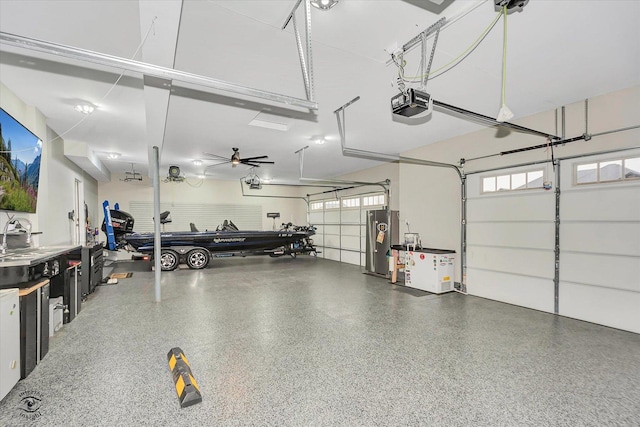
(20, 154)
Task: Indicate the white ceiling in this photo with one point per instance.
(559, 52)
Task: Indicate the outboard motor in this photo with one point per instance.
(122, 224)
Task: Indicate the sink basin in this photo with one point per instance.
(13, 257)
(27, 251)
(33, 254)
(24, 253)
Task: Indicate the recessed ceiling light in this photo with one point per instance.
(85, 109)
(113, 156)
(197, 162)
(319, 139)
(266, 180)
(201, 176)
(324, 4)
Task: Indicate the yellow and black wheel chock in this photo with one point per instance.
(186, 385)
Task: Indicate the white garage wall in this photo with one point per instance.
(390, 171)
(209, 193)
(430, 202)
(61, 174)
(57, 179)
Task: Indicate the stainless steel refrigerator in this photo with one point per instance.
(382, 232)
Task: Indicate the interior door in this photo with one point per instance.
(78, 215)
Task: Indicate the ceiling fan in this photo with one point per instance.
(237, 160)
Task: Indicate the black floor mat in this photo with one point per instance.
(130, 266)
(411, 291)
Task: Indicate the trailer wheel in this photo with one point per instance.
(168, 260)
(198, 258)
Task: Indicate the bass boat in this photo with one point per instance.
(196, 248)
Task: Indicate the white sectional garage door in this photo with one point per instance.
(341, 226)
(351, 236)
(316, 218)
(511, 238)
(600, 240)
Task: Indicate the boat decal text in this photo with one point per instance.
(228, 239)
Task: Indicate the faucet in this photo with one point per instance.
(4, 246)
(63, 307)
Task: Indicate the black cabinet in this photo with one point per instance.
(34, 326)
(92, 263)
(28, 333)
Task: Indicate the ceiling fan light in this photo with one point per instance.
(235, 157)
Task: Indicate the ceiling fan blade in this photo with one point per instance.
(216, 156)
(255, 165)
(255, 158)
(258, 161)
(217, 164)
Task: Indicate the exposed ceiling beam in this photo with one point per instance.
(159, 26)
(150, 70)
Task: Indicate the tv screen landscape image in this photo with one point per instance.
(20, 154)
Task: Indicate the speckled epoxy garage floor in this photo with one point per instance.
(313, 342)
